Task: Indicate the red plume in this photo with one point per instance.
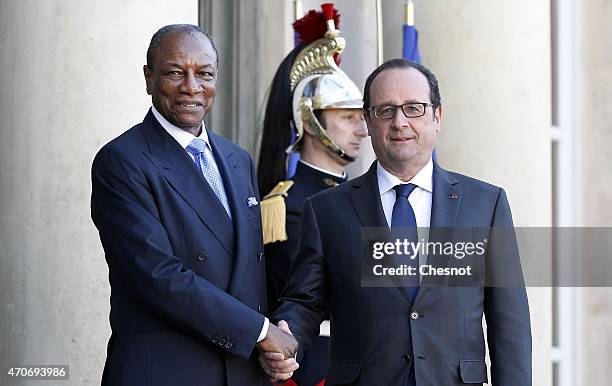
(328, 11)
(312, 26)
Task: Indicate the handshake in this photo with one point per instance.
(278, 351)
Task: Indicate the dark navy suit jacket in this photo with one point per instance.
(378, 333)
(187, 284)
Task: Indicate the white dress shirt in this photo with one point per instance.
(184, 138)
(420, 198)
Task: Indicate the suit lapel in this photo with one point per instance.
(366, 199)
(445, 204)
(237, 196)
(187, 180)
(446, 199)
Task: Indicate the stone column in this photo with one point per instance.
(594, 87)
(493, 63)
(71, 78)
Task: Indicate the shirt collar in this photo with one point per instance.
(181, 136)
(386, 180)
(343, 175)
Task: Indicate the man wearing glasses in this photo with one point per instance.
(415, 334)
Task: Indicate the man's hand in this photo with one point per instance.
(278, 369)
(277, 352)
(279, 340)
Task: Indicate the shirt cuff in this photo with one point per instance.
(264, 330)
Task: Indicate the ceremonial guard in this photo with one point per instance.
(312, 129)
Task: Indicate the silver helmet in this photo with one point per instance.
(317, 83)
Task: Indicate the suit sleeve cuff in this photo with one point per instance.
(264, 330)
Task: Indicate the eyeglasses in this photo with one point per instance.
(410, 110)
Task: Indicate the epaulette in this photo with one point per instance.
(273, 213)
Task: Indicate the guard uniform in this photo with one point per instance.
(279, 255)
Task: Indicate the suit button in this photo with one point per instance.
(260, 257)
(407, 357)
(414, 315)
(215, 339)
(222, 342)
(201, 256)
(259, 307)
(229, 345)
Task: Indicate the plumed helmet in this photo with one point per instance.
(316, 81)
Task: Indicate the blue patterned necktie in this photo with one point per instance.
(197, 148)
(403, 217)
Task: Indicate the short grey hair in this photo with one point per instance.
(188, 29)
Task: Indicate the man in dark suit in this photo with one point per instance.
(326, 138)
(422, 333)
(177, 210)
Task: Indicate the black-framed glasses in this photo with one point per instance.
(410, 110)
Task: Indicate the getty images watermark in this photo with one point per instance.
(399, 250)
(486, 257)
(449, 257)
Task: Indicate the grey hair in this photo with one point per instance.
(189, 29)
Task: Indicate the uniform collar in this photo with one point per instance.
(311, 174)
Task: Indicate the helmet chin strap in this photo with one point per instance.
(309, 116)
